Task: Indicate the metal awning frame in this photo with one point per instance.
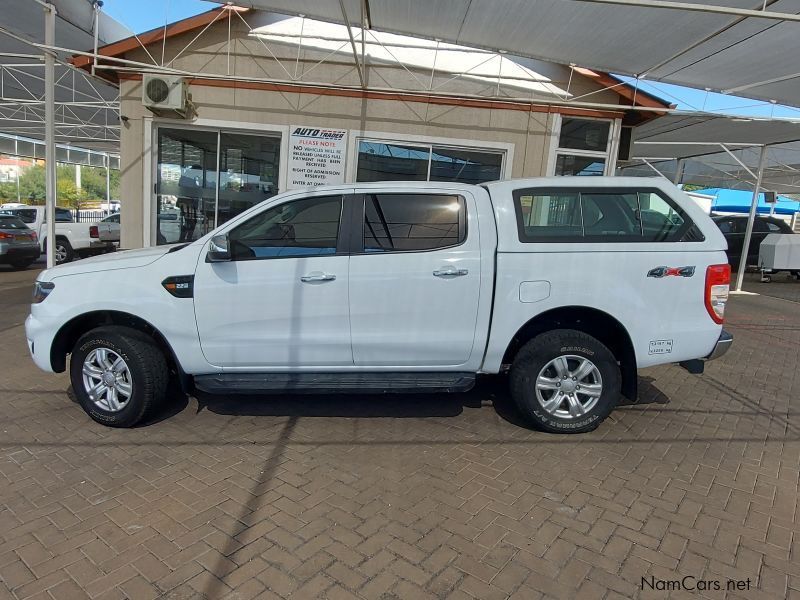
(758, 177)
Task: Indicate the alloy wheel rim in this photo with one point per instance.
(569, 386)
(61, 253)
(107, 379)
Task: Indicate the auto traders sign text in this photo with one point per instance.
(316, 156)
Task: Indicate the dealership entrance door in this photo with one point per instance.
(205, 177)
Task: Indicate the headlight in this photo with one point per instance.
(41, 290)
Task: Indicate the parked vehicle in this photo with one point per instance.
(401, 286)
(72, 239)
(108, 229)
(19, 246)
(733, 227)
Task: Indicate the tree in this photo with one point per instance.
(32, 186)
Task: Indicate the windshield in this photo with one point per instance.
(27, 215)
(9, 222)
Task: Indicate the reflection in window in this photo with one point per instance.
(550, 215)
(248, 172)
(600, 216)
(659, 219)
(583, 134)
(186, 182)
(610, 215)
(466, 166)
(568, 164)
(398, 222)
(391, 162)
(189, 204)
(379, 161)
(307, 227)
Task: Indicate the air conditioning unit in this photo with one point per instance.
(166, 95)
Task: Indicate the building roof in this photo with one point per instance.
(742, 47)
(407, 50)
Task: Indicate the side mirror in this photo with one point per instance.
(219, 250)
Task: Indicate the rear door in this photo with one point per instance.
(414, 279)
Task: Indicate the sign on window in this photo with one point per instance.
(316, 156)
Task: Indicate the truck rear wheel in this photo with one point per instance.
(565, 381)
(119, 375)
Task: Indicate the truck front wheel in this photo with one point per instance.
(565, 381)
(119, 375)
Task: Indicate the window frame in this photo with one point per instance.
(688, 222)
(360, 222)
(343, 236)
(608, 156)
(505, 149)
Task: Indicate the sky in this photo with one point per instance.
(143, 15)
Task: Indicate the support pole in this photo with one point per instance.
(751, 220)
(49, 132)
(108, 182)
(679, 171)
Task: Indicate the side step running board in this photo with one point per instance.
(334, 383)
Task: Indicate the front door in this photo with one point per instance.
(414, 280)
(281, 302)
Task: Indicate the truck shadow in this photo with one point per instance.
(489, 391)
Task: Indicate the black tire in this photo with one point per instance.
(62, 242)
(21, 265)
(148, 374)
(534, 356)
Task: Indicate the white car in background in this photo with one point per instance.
(108, 229)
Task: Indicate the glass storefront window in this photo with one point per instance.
(392, 162)
(379, 161)
(248, 172)
(465, 166)
(194, 193)
(186, 184)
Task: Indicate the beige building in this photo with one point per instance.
(278, 102)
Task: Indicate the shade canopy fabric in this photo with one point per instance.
(740, 52)
(86, 107)
(698, 139)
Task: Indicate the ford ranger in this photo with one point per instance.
(567, 284)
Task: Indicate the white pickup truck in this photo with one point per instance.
(568, 284)
(72, 239)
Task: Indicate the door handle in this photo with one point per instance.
(317, 276)
(450, 272)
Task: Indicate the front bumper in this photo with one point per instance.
(39, 339)
(722, 346)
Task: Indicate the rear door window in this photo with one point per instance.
(413, 222)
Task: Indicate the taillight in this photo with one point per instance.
(34, 237)
(6, 236)
(718, 284)
(93, 231)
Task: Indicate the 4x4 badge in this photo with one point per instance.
(660, 272)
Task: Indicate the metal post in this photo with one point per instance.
(751, 220)
(678, 171)
(108, 182)
(49, 132)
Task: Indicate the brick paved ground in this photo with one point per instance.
(411, 497)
